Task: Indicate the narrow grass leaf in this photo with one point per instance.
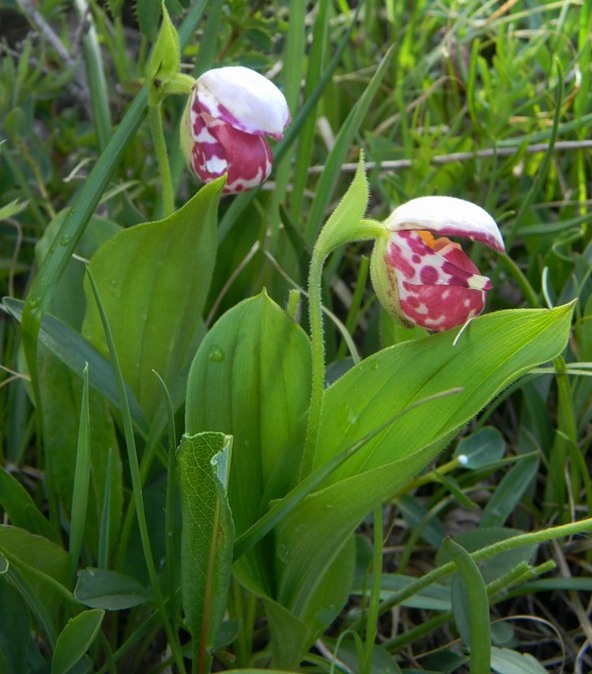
(509, 491)
(75, 639)
(74, 351)
(207, 537)
(470, 606)
(343, 142)
(293, 131)
(83, 207)
(436, 597)
(81, 481)
(39, 610)
(132, 455)
(99, 92)
(15, 629)
(171, 557)
(105, 519)
(314, 73)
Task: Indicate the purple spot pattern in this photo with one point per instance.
(222, 147)
(436, 288)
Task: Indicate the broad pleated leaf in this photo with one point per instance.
(493, 351)
(153, 280)
(251, 379)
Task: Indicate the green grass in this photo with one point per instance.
(489, 102)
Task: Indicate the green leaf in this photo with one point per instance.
(207, 537)
(15, 628)
(509, 491)
(32, 557)
(61, 393)
(21, 509)
(482, 448)
(165, 60)
(67, 301)
(153, 280)
(470, 606)
(494, 351)
(436, 597)
(148, 14)
(251, 670)
(74, 351)
(506, 661)
(345, 223)
(80, 499)
(342, 146)
(84, 206)
(501, 564)
(288, 634)
(75, 639)
(100, 588)
(11, 209)
(251, 379)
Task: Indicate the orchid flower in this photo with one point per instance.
(426, 281)
(229, 113)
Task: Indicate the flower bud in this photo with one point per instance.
(427, 281)
(230, 112)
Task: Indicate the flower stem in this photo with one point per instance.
(168, 196)
(374, 605)
(489, 551)
(318, 361)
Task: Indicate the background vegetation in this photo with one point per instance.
(487, 101)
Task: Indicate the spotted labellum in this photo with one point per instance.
(230, 112)
(427, 281)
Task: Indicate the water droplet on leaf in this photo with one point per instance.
(216, 355)
(352, 417)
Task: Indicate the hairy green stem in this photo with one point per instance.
(162, 157)
(520, 574)
(527, 290)
(519, 541)
(315, 302)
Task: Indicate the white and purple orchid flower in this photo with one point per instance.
(426, 281)
(230, 112)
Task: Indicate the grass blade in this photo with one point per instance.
(81, 481)
(472, 607)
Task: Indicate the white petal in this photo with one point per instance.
(244, 99)
(448, 216)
